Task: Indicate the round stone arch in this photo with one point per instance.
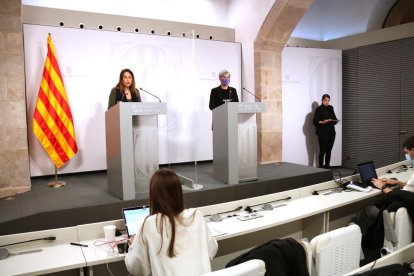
(273, 35)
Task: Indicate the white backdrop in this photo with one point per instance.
(307, 74)
(181, 71)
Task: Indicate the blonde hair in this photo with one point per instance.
(224, 73)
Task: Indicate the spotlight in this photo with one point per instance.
(136, 30)
(152, 31)
(183, 34)
(168, 33)
(197, 36)
(211, 37)
(61, 23)
(118, 28)
(81, 25)
(100, 27)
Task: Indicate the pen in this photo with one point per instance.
(79, 244)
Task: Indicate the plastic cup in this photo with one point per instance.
(109, 231)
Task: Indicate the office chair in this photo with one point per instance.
(336, 252)
(397, 229)
(250, 268)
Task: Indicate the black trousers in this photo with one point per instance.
(326, 143)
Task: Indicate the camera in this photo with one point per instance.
(81, 25)
(61, 23)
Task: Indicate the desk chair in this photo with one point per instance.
(398, 230)
(336, 252)
(249, 268)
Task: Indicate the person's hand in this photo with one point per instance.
(378, 182)
(131, 239)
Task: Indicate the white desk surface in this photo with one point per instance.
(296, 209)
(99, 254)
(57, 255)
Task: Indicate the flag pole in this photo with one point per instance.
(56, 183)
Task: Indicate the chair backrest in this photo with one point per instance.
(250, 268)
(338, 251)
(403, 227)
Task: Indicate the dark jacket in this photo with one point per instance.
(283, 257)
(323, 113)
(218, 94)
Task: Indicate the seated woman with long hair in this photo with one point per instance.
(172, 240)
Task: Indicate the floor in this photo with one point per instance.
(86, 193)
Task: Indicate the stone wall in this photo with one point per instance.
(14, 158)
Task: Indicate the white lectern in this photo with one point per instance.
(132, 146)
(235, 141)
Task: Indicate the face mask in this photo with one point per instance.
(225, 81)
(408, 157)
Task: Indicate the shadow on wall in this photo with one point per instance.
(310, 136)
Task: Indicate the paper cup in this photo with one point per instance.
(109, 231)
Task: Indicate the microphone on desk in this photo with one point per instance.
(150, 93)
(52, 238)
(252, 94)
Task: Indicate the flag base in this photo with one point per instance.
(56, 184)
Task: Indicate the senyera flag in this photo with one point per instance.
(53, 122)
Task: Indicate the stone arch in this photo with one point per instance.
(271, 38)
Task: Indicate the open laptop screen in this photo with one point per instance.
(133, 216)
(367, 172)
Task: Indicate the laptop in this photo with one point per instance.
(367, 173)
(133, 217)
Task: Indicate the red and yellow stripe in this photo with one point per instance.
(52, 121)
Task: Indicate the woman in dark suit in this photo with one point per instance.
(219, 95)
(325, 120)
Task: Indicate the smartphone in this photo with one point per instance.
(123, 247)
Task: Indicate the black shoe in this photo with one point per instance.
(327, 167)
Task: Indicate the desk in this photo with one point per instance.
(96, 255)
(305, 215)
(57, 255)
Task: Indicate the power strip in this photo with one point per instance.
(358, 188)
(250, 216)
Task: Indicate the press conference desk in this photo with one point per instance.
(56, 256)
(304, 215)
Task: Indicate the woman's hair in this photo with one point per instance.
(224, 73)
(121, 86)
(166, 200)
(325, 96)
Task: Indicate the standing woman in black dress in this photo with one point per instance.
(325, 121)
(219, 95)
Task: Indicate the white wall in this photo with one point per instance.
(204, 12)
(307, 74)
(181, 71)
(246, 17)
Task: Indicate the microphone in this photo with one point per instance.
(252, 94)
(52, 238)
(150, 93)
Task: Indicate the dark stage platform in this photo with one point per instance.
(85, 199)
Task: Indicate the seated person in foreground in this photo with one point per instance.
(172, 240)
(383, 184)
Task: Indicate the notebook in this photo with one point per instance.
(367, 173)
(133, 217)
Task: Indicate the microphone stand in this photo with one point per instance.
(150, 93)
(252, 94)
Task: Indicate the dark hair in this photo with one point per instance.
(120, 85)
(166, 199)
(325, 96)
(409, 143)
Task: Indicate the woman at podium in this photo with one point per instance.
(223, 93)
(125, 90)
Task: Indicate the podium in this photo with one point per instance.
(235, 141)
(132, 146)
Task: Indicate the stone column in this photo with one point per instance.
(14, 156)
(273, 35)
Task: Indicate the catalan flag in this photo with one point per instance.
(53, 122)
